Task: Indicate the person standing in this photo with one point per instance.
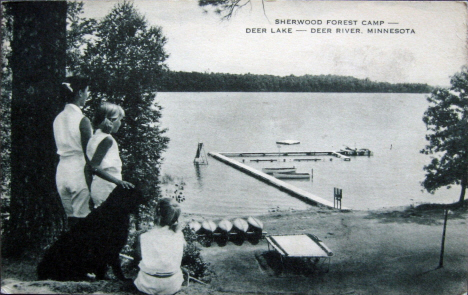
(72, 131)
(103, 153)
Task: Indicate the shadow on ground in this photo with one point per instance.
(273, 265)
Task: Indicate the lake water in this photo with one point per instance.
(389, 125)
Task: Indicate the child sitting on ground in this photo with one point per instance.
(161, 250)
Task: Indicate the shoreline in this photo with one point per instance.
(419, 207)
(387, 251)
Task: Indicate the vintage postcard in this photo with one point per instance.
(296, 144)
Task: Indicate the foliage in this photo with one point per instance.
(192, 260)
(226, 8)
(446, 120)
(219, 82)
(5, 106)
(79, 32)
(5, 147)
(176, 191)
(125, 62)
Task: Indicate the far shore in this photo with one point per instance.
(385, 251)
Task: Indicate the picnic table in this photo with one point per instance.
(306, 246)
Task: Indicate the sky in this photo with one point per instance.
(334, 40)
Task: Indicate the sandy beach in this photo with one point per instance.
(389, 251)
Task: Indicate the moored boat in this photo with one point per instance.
(279, 169)
(364, 152)
(291, 175)
(288, 142)
(347, 151)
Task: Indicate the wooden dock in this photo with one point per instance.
(279, 154)
(283, 186)
(287, 154)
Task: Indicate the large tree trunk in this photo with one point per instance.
(38, 65)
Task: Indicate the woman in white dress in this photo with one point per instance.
(72, 131)
(161, 250)
(103, 153)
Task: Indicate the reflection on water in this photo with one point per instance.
(390, 125)
(198, 175)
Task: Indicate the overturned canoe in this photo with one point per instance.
(195, 226)
(225, 226)
(209, 226)
(240, 225)
(255, 225)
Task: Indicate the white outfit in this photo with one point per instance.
(111, 163)
(161, 252)
(70, 178)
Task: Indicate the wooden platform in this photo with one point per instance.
(264, 160)
(307, 160)
(278, 154)
(287, 154)
(286, 187)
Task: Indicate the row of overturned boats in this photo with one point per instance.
(238, 229)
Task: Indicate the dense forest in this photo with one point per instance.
(220, 82)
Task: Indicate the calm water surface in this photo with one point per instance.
(390, 125)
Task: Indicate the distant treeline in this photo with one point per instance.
(219, 82)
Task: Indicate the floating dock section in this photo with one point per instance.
(283, 186)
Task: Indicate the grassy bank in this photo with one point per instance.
(375, 252)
